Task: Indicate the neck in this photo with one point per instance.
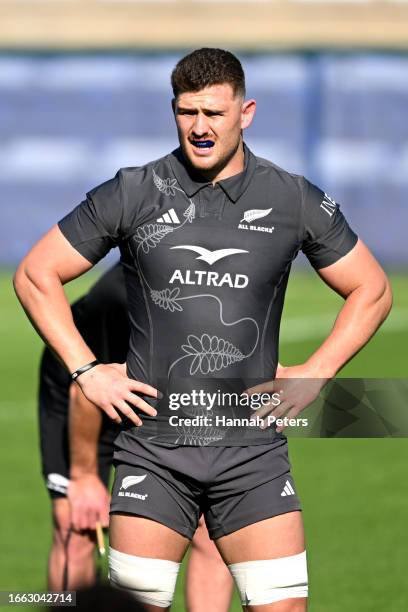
(233, 165)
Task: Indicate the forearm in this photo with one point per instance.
(88, 496)
(85, 422)
(363, 312)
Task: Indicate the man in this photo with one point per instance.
(79, 465)
(207, 236)
(76, 467)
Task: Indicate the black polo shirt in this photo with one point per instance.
(206, 266)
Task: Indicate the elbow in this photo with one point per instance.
(387, 298)
(29, 279)
(384, 298)
(20, 280)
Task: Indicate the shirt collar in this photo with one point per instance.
(191, 181)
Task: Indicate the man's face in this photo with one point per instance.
(209, 124)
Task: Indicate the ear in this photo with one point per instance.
(247, 113)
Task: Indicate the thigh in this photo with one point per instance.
(253, 484)
(202, 544)
(201, 539)
(268, 564)
(157, 485)
(273, 538)
(144, 537)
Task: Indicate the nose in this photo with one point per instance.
(200, 127)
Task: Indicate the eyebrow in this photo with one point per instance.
(184, 109)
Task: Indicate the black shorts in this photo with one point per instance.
(233, 486)
(53, 426)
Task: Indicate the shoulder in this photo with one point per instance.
(129, 177)
(294, 185)
(268, 167)
(132, 176)
(119, 202)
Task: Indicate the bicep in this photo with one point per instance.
(356, 269)
(54, 255)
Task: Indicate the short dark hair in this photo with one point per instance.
(205, 67)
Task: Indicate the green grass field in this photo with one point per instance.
(354, 492)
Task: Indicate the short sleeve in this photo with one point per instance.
(94, 226)
(326, 234)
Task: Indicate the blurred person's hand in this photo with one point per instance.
(89, 502)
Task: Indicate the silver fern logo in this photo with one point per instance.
(252, 215)
(148, 236)
(210, 353)
(129, 481)
(168, 186)
(166, 298)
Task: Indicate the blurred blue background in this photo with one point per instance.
(69, 121)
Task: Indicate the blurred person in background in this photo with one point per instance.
(77, 442)
(203, 199)
(77, 439)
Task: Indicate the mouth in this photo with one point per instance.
(203, 144)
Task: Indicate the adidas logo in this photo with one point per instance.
(287, 489)
(169, 217)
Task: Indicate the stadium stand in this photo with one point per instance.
(164, 24)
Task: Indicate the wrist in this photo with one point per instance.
(84, 368)
(77, 473)
(320, 368)
(77, 357)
